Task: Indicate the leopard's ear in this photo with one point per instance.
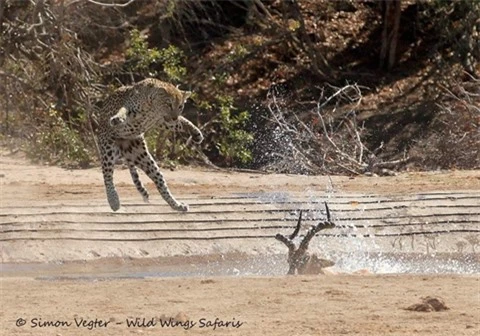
(186, 95)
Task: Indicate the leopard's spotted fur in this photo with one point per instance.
(123, 119)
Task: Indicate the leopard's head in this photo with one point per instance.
(168, 100)
(177, 103)
(151, 101)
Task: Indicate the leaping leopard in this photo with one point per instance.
(123, 119)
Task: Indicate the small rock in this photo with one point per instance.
(437, 303)
(429, 304)
(207, 281)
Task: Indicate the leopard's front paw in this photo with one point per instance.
(116, 120)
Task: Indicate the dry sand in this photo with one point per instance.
(53, 292)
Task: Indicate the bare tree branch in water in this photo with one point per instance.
(299, 260)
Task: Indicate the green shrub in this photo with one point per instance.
(56, 142)
(234, 141)
(143, 59)
(172, 59)
(140, 56)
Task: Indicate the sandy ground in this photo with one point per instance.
(58, 293)
(326, 305)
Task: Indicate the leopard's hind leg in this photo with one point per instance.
(136, 153)
(136, 180)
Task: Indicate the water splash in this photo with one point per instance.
(357, 248)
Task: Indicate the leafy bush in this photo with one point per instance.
(172, 59)
(233, 140)
(55, 142)
(143, 59)
(139, 55)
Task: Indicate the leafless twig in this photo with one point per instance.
(300, 262)
(104, 4)
(320, 143)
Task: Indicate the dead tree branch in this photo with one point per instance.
(329, 139)
(300, 262)
(103, 4)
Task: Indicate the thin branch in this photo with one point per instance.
(286, 241)
(111, 4)
(329, 217)
(312, 233)
(298, 258)
(297, 229)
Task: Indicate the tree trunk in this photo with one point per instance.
(2, 10)
(392, 10)
(320, 65)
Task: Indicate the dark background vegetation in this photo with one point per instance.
(302, 86)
